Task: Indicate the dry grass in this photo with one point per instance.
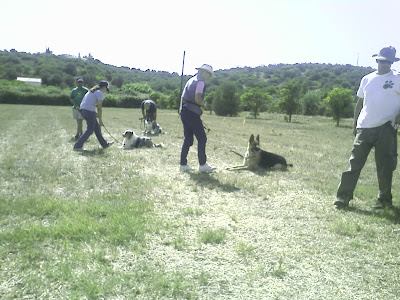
(223, 235)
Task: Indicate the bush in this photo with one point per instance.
(15, 92)
(226, 100)
(253, 99)
(127, 101)
(339, 103)
(110, 101)
(311, 103)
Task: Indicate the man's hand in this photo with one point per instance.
(397, 119)
(354, 128)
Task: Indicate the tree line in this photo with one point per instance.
(309, 89)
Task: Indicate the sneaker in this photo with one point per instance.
(341, 203)
(379, 204)
(206, 168)
(185, 168)
(77, 136)
(108, 144)
(78, 149)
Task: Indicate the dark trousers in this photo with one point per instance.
(384, 140)
(150, 116)
(192, 125)
(92, 126)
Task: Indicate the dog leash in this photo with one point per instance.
(237, 153)
(205, 126)
(111, 134)
(142, 123)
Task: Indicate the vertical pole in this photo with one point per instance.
(180, 94)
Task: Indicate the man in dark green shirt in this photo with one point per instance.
(76, 97)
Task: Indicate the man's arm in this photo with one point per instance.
(198, 96)
(199, 100)
(100, 112)
(357, 111)
(71, 97)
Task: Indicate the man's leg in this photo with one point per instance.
(91, 121)
(199, 132)
(386, 162)
(359, 155)
(99, 135)
(80, 126)
(188, 140)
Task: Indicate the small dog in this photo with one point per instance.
(152, 128)
(255, 158)
(132, 140)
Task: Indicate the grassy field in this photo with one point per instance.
(115, 224)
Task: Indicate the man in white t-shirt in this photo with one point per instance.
(376, 116)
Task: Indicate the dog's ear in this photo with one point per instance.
(251, 138)
(258, 138)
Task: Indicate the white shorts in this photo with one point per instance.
(76, 114)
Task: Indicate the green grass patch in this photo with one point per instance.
(213, 236)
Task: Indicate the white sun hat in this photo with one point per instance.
(207, 68)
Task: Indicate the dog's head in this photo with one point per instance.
(129, 134)
(254, 144)
(130, 138)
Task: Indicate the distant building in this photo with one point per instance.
(33, 81)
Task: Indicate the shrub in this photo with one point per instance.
(339, 101)
(311, 103)
(16, 92)
(226, 100)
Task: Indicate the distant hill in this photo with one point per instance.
(61, 70)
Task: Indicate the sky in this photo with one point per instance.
(153, 34)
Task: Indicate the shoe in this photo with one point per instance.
(206, 168)
(341, 203)
(379, 204)
(77, 136)
(185, 168)
(108, 144)
(78, 149)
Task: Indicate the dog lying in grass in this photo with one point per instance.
(255, 158)
(132, 140)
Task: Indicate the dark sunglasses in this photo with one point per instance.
(383, 61)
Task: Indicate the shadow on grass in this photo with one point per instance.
(258, 171)
(207, 180)
(390, 214)
(345, 126)
(95, 152)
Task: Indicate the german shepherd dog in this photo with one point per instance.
(255, 158)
